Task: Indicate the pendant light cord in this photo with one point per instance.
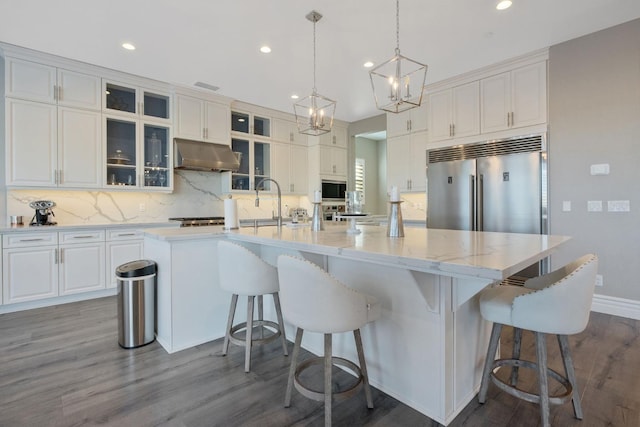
(397, 27)
(314, 55)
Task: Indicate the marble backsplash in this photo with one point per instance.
(195, 194)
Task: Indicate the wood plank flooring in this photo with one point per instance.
(62, 366)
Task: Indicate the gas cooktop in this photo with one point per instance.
(199, 221)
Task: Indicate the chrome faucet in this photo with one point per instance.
(279, 218)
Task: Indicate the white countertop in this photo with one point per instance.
(70, 227)
(450, 252)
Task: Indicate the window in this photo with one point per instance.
(360, 178)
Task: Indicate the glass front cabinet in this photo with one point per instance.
(249, 133)
(138, 149)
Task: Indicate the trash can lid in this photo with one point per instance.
(143, 267)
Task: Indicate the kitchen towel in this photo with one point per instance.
(230, 214)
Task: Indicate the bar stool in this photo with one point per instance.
(244, 273)
(556, 303)
(316, 302)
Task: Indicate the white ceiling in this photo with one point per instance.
(217, 41)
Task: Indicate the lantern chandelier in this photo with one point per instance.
(314, 113)
(397, 84)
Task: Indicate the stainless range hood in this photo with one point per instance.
(204, 156)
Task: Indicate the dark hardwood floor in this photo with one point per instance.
(62, 366)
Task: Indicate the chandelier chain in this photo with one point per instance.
(314, 55)
(397, 25)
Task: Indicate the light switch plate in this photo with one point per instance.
(566, 206)
(601, 169)
(594, 206)
(618, 206)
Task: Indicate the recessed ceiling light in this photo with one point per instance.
(504, 4)
(241, 120)
(294, 96)
(368, 64)
(265, 49)
(128, 46)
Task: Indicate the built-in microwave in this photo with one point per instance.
(333, 190)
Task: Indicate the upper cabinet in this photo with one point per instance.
(413, 120)
(336, 138)
(514, 99)
(43, 83)
(286, 131)
(407, 162)
(250, 124)
(454, 112)
(202, 120)
(133, 101)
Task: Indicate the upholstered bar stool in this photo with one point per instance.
(243, 273)
(314, 301)
(557, 303)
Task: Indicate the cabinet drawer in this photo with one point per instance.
(86, 236)
(21, 240)
(124, 234)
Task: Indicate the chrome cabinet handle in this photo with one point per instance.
(453, 129)
(125, 234)
(83, 237)
(31, 240)
(56, 256)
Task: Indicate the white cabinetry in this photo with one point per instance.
(29, 266)
(81, 261)
(336, 138)
(407, 162)
(286, 131)
(43, 83)
(202, 120)
(414, 120)
(454, 112)
(514, 99)
(122, 246)
(333, 161)
(289, 167)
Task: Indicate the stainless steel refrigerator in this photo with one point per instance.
(492, 186)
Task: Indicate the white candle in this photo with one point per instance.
(394, 196)
(317, 197)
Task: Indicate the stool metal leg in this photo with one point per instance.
(261, 315)
(541, 353)
(292, 368)
(232, 312)
(276, 301)
(327, 380)
(249, 334)
(488, 363)
(563, 341)
(517, 344)
(363, 368)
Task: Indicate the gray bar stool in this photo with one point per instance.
(316, 302)
(556, 303)
(243, 273)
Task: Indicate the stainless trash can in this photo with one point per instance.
(136, 303)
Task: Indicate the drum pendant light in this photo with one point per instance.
(314, 113)
(397, 84)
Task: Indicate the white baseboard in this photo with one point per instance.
(616, 306)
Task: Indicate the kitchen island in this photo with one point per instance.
(428, 347)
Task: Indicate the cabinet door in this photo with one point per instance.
(529, 95)
(418, 162)
(299, 171)
(285, 131)
(119, 253)
(495, 102)
(398, 124)
(78, 90)
(333, 161)
(440, 120)
(189, 114)
(156, 156)
(398, 149)
(29, 273)
(336, 138)
(466, 110)
(121, 151)
(217, 123)
(31, 144)
(81, 268)
(79, 148)
(30, 80)
(419, 117)
(280, 166)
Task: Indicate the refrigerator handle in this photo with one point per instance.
(480, 208)
(472, 203)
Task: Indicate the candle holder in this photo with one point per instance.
(317, 223)
(395, 227)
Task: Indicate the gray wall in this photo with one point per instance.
(369, 150)
(594, 117)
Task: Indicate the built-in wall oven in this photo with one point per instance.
(333, 191)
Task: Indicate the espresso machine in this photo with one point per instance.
(43, 213)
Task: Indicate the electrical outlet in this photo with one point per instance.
(142, 207)
(618, 206)
(566, 206)
(594, 206)
(599, 280)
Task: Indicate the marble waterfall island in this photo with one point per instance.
(428, 347)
